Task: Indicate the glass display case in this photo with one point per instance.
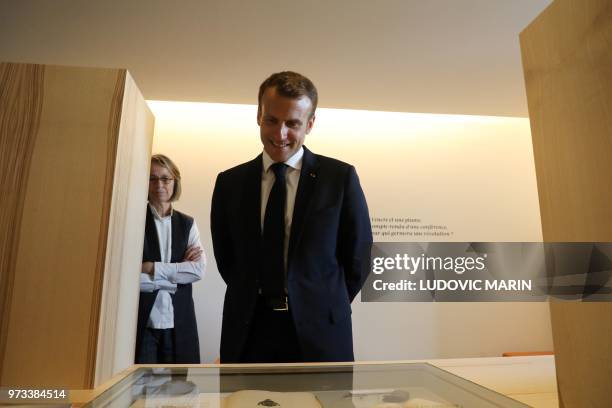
(392, 385)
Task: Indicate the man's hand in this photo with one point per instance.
(193, 254)
(148, 268)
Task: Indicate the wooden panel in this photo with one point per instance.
(52, 316)
(117, 336)
(20, 109)
(59, 248)
(567, 60)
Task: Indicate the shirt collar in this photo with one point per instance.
(294, 161)
(156, 214)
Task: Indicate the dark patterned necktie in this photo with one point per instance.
(273, 277)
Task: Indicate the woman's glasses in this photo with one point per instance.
(164, 180)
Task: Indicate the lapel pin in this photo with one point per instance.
(313, 175)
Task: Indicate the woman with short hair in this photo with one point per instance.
(172, 260)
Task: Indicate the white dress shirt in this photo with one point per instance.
(168, 274)
(294, 164)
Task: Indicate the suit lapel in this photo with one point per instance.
(151, 250)
(303, 200)
(251, 201)
(179, 243)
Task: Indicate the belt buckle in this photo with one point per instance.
(284, 308)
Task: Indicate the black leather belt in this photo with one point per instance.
(278, 304)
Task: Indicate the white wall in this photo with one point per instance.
(473, 174)
(445, 56)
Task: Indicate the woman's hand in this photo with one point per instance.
(193, 254)
(148, 268)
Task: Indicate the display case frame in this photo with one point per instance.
(333, 385)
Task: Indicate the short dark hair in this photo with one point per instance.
(165, 162)
(290, 85)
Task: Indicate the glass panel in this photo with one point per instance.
(334, 386)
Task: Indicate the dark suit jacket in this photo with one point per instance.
(328, 257)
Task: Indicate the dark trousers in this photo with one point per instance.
(272, 337)
(157, 347)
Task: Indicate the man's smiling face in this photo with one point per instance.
(283, 124)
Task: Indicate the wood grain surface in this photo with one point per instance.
(57, 253)
(117, 335)
(21, 95)
(567, 61)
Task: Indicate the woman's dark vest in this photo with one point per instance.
(186, 344)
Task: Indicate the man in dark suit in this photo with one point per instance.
(291, 236)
